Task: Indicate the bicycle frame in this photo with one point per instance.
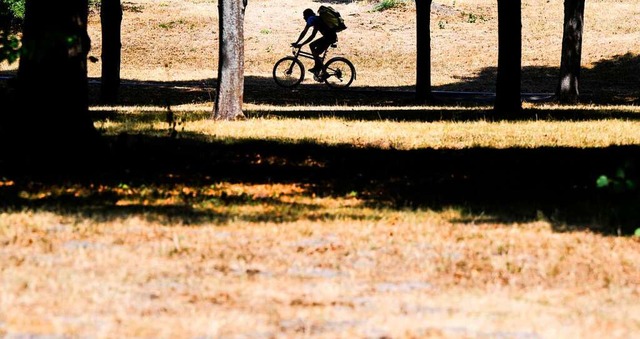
(298, 52)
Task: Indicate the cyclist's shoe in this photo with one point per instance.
(314, 70)
(320, 76)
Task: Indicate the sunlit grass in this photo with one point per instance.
(390, 134)
(203, 255)
(133, 276)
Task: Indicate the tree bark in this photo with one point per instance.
(423, 53)
(110, 20)
(508, 84)
(230, 88)
(567, 91)
(48, 118)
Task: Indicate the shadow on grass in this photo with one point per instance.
(502, 185)
(488, 185)
(610, 82)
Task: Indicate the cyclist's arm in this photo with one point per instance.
(313, 35)
(304, 32)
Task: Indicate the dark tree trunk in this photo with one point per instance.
(423, 55)
(230, 89)
(508, 85)
(567, 91)
(49, 115)
(110, 20)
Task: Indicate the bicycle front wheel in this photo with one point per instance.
(288, 72)
(339, 73)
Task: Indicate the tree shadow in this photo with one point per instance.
(610, 82)
(557, 184)
(614, 81)
(394, 103)
(490, 185)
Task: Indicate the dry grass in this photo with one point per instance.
(396, 274)
(332, 220)
(391, 134)
(179, 40)
(201, 255)
(381, 44)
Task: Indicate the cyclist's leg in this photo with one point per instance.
(329, 39)
(317, 47)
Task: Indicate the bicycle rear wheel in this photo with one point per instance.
(339, 72)
(288, 72)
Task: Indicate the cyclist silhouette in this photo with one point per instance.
(320, 45)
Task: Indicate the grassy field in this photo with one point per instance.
(325, 214)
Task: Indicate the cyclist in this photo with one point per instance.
(320, 45)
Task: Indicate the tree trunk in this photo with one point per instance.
(110, 20)
(508, 85)
(230, 89)
(423, 53)
(567, 91)
(48, 118)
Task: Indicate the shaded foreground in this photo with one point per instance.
(510, 185)
(233, 238)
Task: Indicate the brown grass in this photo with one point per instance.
(381, 44)
(344, 216)
(399, 274)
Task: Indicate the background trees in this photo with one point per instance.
(421, 62)
(230, 87)
(567, 91)
(509, 58)
(110, 20)
(423, 52)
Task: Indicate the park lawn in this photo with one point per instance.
(333, 215)
(279, 226)
(351, 272)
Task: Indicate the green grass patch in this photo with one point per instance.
(389, 4)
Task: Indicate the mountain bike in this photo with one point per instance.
(337, 72)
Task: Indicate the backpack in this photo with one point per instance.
(331, 18)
